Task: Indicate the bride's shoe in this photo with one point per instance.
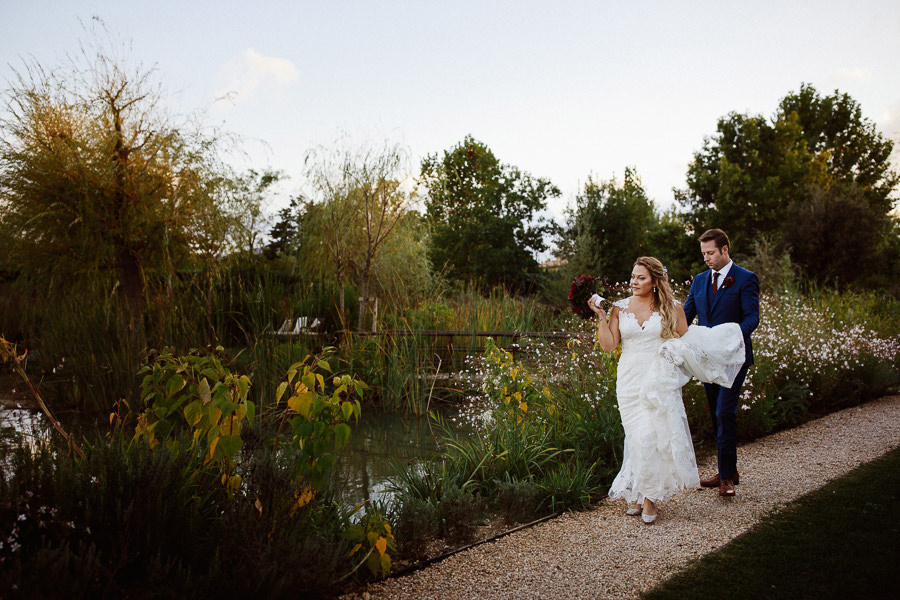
(649, 518)
(633, 510)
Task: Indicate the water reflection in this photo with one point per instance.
(380, 441)
(20, 428)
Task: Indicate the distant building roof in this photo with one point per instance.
(554, 263)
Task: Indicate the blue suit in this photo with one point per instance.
(736, 301)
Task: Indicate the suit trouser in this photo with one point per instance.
(723, 405)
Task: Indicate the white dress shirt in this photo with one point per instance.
(723, 273)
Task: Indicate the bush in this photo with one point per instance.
(518, 500)
(418, 522)
(460, 510)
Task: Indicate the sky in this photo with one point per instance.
(561, 90)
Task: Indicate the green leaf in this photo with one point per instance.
(323, 364)
(342, 433)
(373, 562)
(279, 393)
(230, 445)
(355, 532)
(309, 380)
(203, 389)
(193, 413)
(301, 427)
(228, 407)
(211, 374)
(302, 403)
(243, 385)
(347, 410)
(174, 385)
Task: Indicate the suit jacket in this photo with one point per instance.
(737, 303)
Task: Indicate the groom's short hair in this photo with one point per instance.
(718, 236)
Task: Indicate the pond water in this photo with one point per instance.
(378, 442)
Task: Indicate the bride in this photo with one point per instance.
(657, 359)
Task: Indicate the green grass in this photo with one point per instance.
(841, 541)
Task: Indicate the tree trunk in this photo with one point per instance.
(209, 308)
(342, 314)
(131, 307)
(131, 279)
(363, 303)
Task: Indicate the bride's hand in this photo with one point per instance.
(594, 305)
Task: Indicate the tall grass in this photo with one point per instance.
(128, 521)
(469, 310)
(410, 368)
(80, 361)
(78, 357)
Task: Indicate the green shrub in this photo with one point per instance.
(418, 522)
(570, 486)
(518, 500)
(460, 511)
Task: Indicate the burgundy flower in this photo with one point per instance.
(583, 287)
(727, 282)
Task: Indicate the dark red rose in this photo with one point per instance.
(728, 282)
(581, 290)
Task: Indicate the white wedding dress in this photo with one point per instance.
(659, 456)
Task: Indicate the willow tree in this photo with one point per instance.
(99, 183)
(355, 206)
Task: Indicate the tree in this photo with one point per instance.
(744, 179)
(360, 200)
(286, 230)
(483, 217)
(669, 240)
(607, 228)
(827, 239)
(757, 177)
(244, 204)
(96, 180)
(402, 272)
(855, 154)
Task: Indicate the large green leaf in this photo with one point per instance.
(341, 435)
(174, 385)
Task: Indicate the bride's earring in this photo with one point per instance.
(654, 289)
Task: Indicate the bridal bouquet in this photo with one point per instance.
(581, 291)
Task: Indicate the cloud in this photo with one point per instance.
(852, 75)
(250, 75)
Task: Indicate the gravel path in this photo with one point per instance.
(603, 554)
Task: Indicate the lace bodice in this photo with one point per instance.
(638, 337)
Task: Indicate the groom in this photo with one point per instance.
(726, 293)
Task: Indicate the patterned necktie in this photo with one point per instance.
(715, 280)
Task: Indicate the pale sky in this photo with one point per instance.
(561, 90)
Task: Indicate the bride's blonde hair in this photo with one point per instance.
(663, 299)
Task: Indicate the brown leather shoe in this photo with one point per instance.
(726, 487)
(714, 480)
